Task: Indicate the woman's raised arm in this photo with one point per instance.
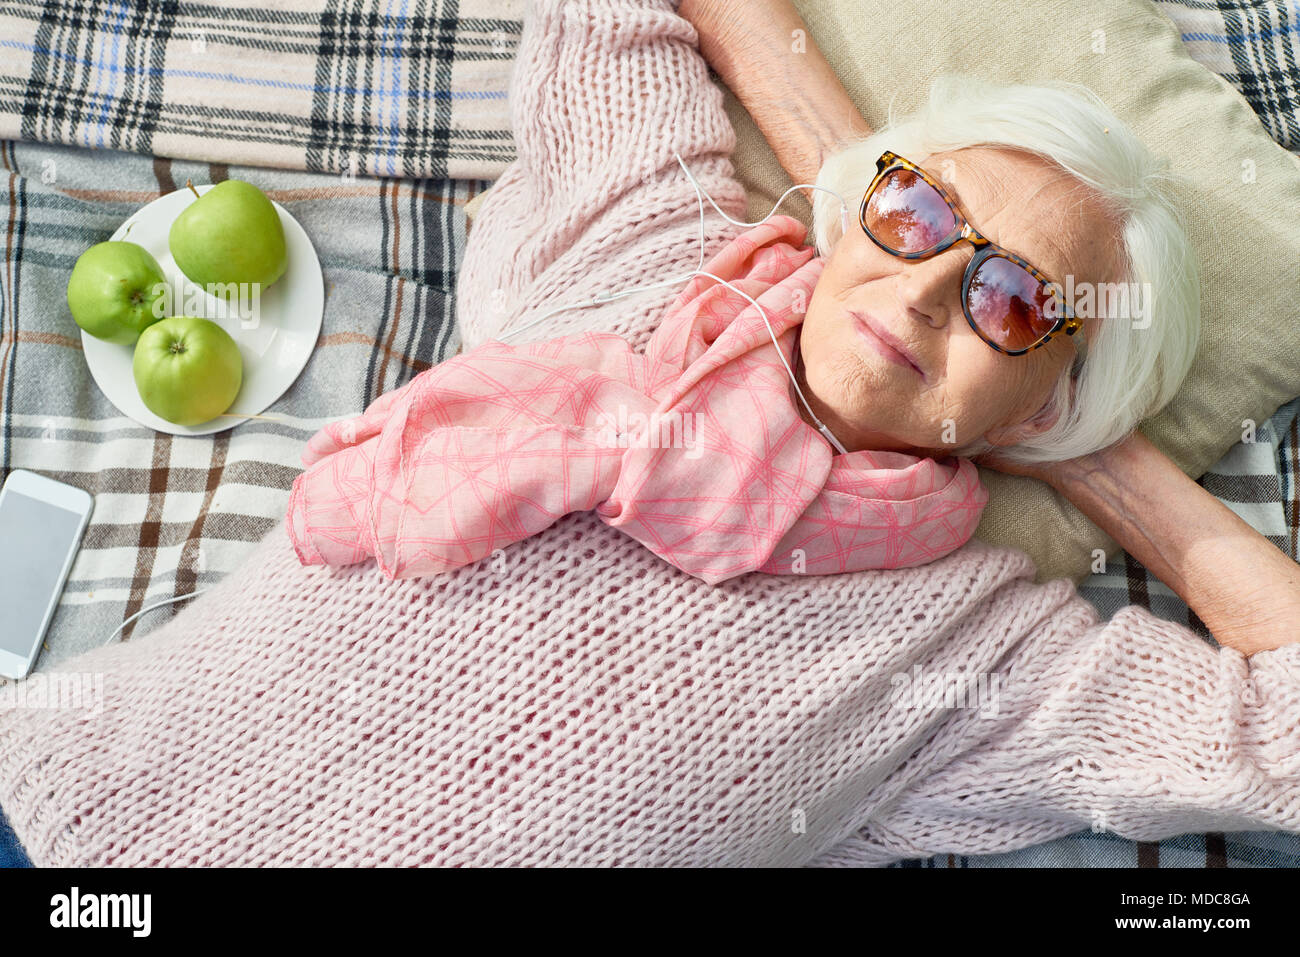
(762, 51)
(1239, 583)
(603, 94)
(1134, 726)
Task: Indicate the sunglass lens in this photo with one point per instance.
(907, 214)
(1011, 308)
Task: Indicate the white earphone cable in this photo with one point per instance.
(700, 195)
(157, 604)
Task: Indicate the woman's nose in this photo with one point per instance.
(929, 290)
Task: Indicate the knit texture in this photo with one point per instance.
(695, 448)
(574, 699)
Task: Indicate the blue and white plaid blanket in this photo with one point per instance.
(415, 89)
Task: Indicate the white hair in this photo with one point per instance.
(1125, 373)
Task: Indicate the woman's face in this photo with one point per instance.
(964, 389)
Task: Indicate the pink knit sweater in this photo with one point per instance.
(575, 699)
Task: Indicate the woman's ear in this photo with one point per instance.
(1036, 424)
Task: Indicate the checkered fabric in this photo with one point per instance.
(172, 513)
(1255, 46)
(410, 89)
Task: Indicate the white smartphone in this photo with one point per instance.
(41, 524)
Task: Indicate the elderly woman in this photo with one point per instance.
(943, 342)
(575, 698)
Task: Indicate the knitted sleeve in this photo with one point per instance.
(603, 93)
(1138, 727)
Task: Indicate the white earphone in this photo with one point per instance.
(700, 196)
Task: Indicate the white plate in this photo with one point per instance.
(274, 348)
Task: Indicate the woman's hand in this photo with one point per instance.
(1043, 471)
(1240, 584)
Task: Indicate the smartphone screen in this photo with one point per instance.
(35, 538)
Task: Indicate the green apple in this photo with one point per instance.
(188, 370)
(113, 290)
(230, 234)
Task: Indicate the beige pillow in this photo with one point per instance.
(1246, 232)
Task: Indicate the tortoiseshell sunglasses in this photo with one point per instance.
(1010, 304)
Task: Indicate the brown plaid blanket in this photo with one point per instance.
(380, 118)
(176, 513)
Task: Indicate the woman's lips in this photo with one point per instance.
(878, 340)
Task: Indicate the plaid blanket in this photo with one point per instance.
(307, 90)
(173, 514)
(353, 87)
(1255, 46)
(416, 89)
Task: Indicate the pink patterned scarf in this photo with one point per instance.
(696, 449)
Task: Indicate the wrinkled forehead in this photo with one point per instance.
(1034, 208)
